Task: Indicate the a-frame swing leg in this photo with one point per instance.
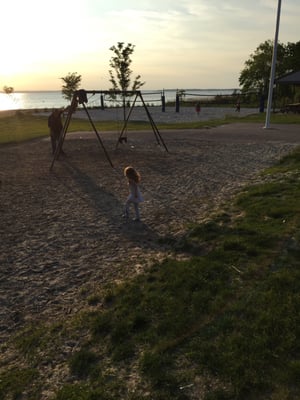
(154, 127)
(98, 136)
(64, 131)
(157, 135)
(65, 128)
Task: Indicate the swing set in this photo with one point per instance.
(80, 97)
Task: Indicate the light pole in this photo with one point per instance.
(273, 68)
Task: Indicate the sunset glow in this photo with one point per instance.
(195, 43)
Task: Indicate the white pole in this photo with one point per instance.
(273, 68)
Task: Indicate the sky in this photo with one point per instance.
(178, 44)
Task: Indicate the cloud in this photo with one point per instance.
(202, 42)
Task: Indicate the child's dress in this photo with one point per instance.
(135, 195)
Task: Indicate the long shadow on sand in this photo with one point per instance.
(108, 206)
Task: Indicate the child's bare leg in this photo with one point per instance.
(126, 210)
(137, 211)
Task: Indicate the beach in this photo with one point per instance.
(185, 114)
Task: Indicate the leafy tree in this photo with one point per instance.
(71, 84)
(181, 93)
(120, 74)
(256, 74)
(8, 89)
(292, 56)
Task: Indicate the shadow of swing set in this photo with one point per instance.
(80, 97)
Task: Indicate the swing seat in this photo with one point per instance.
(123, 139)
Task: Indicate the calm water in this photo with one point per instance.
(54, 99)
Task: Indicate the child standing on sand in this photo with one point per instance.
(135, 197)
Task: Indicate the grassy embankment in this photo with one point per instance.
(24, 126)
(224, 323)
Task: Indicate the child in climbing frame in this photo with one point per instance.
(135, 197)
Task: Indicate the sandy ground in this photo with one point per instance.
(185, 114)
(138, 113)
(62, 230)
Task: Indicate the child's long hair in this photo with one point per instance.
(131, 173)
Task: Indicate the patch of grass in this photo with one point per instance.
(15, 380)
(31, 340)
(157, 367)
(276, 118)
(81, 392)
(93, 299)
(22, 127)
(255, 337)
(288, 163)
(83, 363)
(25, 126)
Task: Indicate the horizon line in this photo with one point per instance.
(157, 90)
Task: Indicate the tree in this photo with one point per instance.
(292, 56)
(8, 89)
(71, 84)
(256, 74)
(181, 94)
(120, 74)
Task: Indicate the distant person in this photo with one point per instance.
(198, 108)
(55, 125)
(238, 106)
(135, 197)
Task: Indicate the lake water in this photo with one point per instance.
(53, 99)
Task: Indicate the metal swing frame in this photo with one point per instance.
(80, 97)
(155, 130)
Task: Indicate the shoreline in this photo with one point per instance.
(55, 99)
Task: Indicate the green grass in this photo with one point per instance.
(24, 126)
(224, 323)
(15, 381)
(277, 118)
